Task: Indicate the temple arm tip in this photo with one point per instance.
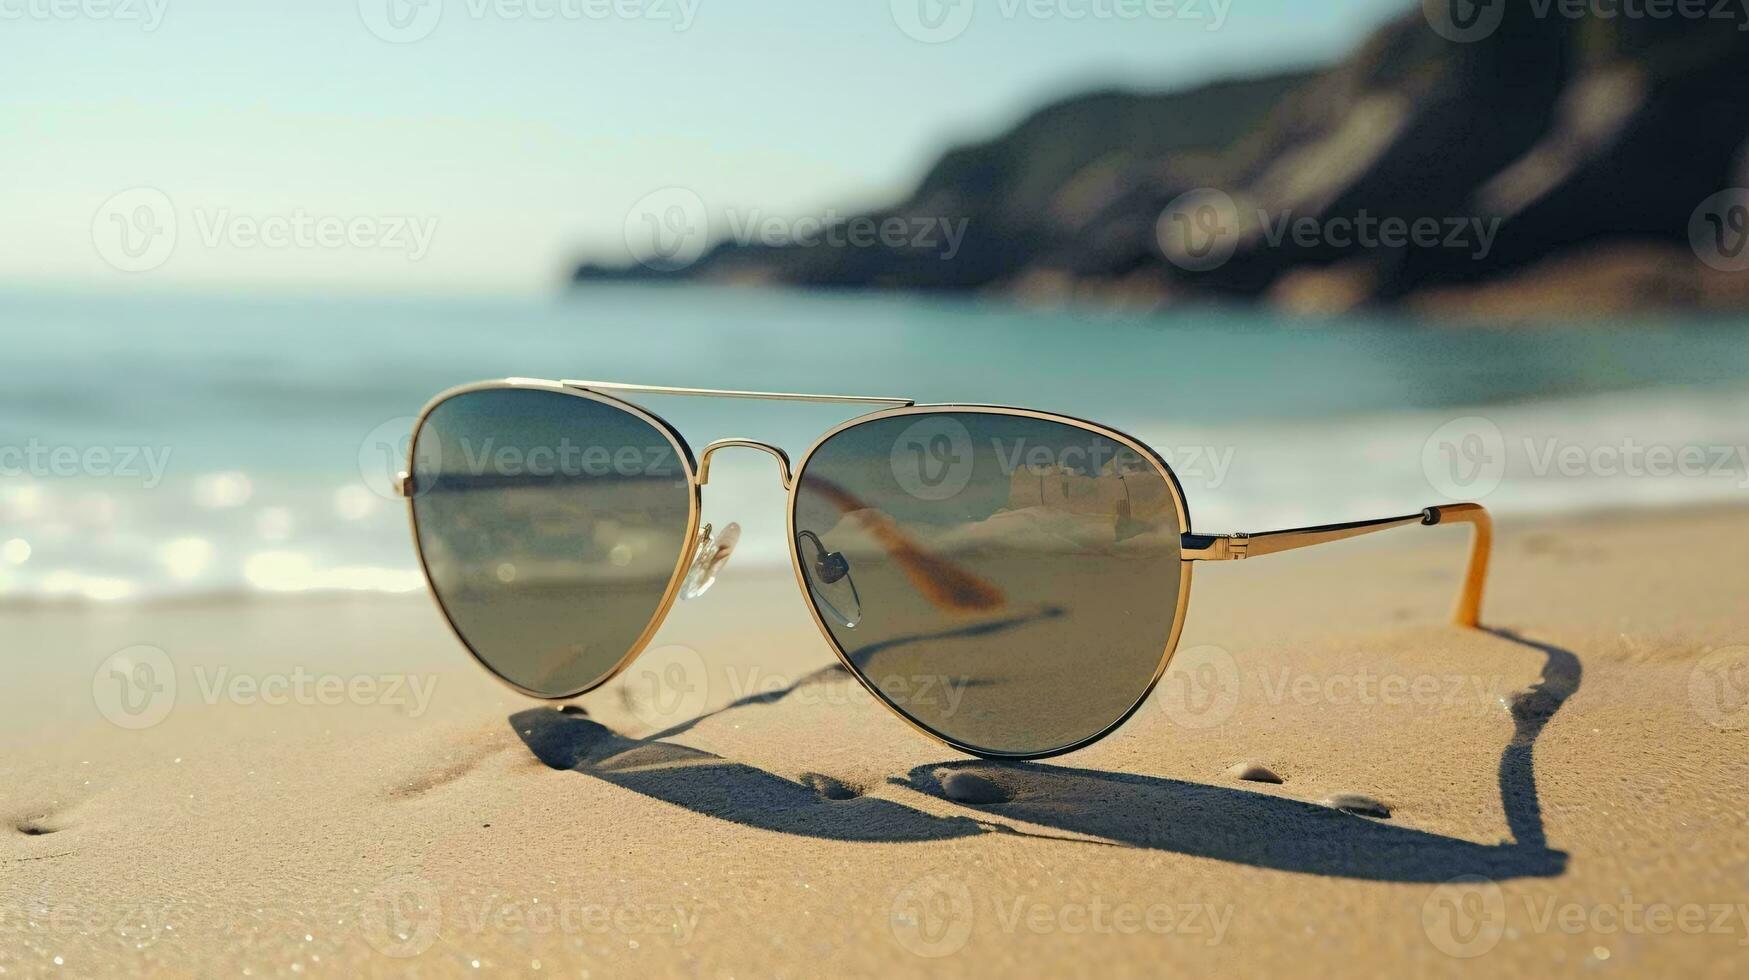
(1469, 605)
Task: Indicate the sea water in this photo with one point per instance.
(167, 444)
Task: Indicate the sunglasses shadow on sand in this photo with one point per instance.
(1150, 812)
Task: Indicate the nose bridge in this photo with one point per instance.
(704, 458)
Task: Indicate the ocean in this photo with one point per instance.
(176, 444)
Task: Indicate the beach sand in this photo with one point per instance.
(330, 785)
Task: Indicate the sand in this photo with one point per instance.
(333, 787)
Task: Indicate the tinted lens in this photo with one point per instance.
(551, 527)
(1015, 579)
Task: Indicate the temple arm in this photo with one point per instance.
(1227, 547)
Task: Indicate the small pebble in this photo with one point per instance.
(969, 787)
(1360, 806)
(1253, 772)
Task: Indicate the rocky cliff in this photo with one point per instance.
(1518, 160)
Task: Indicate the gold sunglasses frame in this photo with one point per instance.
(1194, 547)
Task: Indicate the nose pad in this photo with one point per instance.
(829, 580)
(712, 554)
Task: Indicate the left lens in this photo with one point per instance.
(552, 528)
(1016, 578)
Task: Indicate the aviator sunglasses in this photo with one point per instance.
(1039, 563)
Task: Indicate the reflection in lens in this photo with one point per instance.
(829, 581)
(1017, 578)
(551, 526)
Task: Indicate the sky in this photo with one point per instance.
(483, 146)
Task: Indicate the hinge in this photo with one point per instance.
(1215, 547)
(404, 483)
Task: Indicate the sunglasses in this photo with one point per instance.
(1011, 582)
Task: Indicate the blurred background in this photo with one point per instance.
(1335, 261)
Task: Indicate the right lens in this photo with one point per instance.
(1010, 582)
(552, 527)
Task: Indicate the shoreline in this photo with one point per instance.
(750, 561)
